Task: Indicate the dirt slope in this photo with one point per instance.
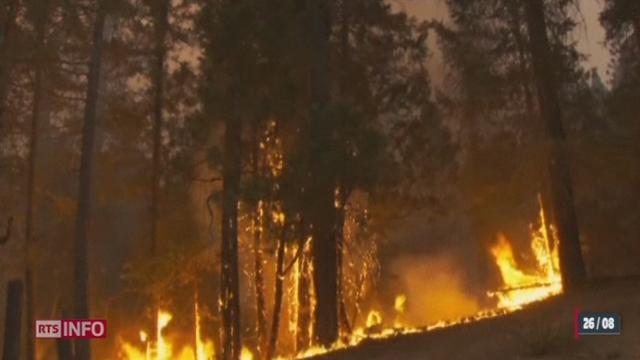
(541, 331)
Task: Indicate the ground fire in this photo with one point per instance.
(520, 287)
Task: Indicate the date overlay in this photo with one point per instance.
(597, 323)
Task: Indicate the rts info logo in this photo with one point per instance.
(71, 329)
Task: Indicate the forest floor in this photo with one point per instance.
(540, 331)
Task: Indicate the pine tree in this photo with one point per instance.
(322, 182)
(85, 182)
(560, 183)
(40, 16)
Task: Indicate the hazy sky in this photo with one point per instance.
(590, 34)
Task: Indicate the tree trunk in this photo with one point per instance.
(13, 320)
(344, 323)
(10, 9)
(64, 347)
(277, 298)
(636, 30)
(303, 336)
(259, 280)
(85, 182)
(29, 314)
(160, 54)
(322, 182)
(161, 10)
(258, 233)
(38, 113)
(229, 272)
(561, 191)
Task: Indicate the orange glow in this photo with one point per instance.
(374, 319)
(521, 287)
(246, 354)
(163, 349)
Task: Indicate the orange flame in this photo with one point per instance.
(521, 287)
(163, 348)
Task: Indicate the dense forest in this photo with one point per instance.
(287, 165)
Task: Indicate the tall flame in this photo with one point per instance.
(399, 305)
(521, 287)
(204, 349)
(164, 348)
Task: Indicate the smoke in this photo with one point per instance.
(435, 289)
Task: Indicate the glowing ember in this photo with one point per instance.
(246, 354)
(400, 303)
(399, 306)
(374, 319)
(143, 336)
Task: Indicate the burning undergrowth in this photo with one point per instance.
(277, 296)
(431, 292)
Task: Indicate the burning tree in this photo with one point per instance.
(561, 188)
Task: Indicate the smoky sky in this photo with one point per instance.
(589, 34)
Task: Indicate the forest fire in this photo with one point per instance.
(320, 174)
(520, 286)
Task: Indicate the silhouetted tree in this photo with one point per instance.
(39, 110)
(560, 183)
(85, 182)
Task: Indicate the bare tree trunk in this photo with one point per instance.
(38, 113)
(161, 11)
(277, 298)
(258, 234)
(13, 320)
(10, 9)
(322, 182)
(64, 347)
(343, 320)
(29, 314)
(259, 283)
(561, 191)
(303, 336)
(160, 54)
(229, 272)
(636, 30)
(85, 182)
(344, 323)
